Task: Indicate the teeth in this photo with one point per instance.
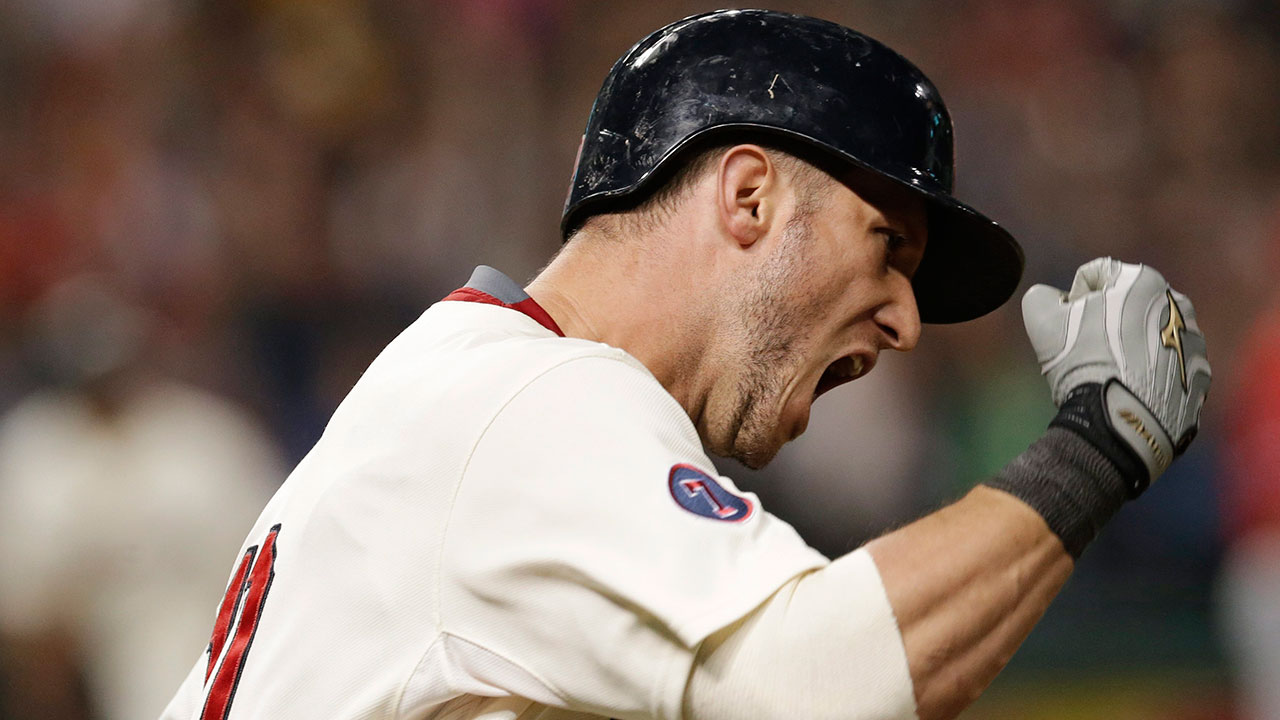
(849, 367)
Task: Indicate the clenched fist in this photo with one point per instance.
(1125, 362)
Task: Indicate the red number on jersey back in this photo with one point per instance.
(241, 608)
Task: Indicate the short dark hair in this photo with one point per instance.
(657, 206)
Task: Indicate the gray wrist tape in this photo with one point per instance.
(1069, 482)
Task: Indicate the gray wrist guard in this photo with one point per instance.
(1074, 486)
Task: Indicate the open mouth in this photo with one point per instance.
(846, 369)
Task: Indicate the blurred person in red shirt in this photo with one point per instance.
(1249, 587)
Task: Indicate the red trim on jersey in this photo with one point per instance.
(528, 306)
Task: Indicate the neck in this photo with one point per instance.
(634, 296)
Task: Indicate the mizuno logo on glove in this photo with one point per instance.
(1171, 336)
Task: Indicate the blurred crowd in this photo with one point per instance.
(213, 215)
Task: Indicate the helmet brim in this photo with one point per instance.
(971, 265)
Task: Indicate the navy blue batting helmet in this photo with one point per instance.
(808, 86)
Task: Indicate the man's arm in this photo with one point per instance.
(1126, 365)
(1127, 368)
(967, 584)
(926, 626)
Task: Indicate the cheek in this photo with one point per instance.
(836, 298)
(846, 266)
(859, 283)
(825, 278)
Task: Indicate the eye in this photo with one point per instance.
(901, 252)
(894, 241)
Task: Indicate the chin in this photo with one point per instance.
(751, 436)
(755, 461)
(756, 455)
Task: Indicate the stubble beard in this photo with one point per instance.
(772, 320)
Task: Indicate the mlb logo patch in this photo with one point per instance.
(701, 494)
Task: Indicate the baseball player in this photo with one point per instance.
(513, 514)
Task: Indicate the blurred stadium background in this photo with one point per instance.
(214, 214)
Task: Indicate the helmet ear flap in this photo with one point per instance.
(568, 195)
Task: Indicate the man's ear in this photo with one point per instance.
(746, 189)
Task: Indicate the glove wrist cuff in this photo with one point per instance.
(1111, 419)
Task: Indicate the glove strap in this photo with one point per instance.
(1111, 419)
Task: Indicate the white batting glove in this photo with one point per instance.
(1125, 362)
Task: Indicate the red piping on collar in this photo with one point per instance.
(528, 306)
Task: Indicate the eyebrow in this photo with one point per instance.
(899, 213)
(897, 222)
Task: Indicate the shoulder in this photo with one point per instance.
(475, 359)
(596, 399)
(464, 370)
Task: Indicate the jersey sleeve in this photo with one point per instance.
(593, 546)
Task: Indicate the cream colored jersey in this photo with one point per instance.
(498, 522)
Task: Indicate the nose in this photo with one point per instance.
(899, 319)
